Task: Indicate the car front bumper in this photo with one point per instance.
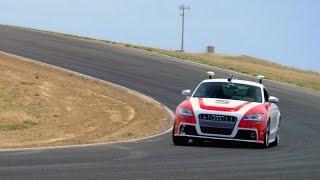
(217, 138)
(243, 134)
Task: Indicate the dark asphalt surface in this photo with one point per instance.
(161, 78)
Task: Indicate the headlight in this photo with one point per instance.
(185, 112)
(254, 117)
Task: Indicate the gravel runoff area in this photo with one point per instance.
(45, 106)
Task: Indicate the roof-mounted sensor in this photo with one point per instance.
(231, 77)
(210, 74)
(260, 77)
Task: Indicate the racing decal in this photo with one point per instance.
(218, 106)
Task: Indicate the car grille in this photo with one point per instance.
(217, 124)
(215, 117)
(213, 130)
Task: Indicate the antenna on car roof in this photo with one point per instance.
(231, 77)
(260, 77)
(210, 74)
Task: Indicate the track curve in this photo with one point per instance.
(161, 78)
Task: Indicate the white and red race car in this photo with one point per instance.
(228, 109)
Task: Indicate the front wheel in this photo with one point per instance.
(267, 136)
(179, 140)
(277, 140)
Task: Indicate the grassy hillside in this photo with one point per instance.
(247, 65)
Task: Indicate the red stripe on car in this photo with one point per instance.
(220, 108)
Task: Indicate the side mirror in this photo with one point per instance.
(186, 92)
(273, 99)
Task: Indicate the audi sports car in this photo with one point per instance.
(228, 109)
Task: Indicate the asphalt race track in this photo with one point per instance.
(162, 78)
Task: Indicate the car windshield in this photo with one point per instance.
(225, 90)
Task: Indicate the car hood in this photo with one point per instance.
(222, 106)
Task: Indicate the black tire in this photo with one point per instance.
(179, 140)
(267, 136)
(277, 141)
(198, 141)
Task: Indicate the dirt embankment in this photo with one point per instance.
(44, 106)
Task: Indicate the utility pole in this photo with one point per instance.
(183, 8)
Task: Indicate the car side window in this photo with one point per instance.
(266, 95)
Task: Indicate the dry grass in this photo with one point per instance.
(42, 106)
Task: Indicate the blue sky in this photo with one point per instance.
(284, 31)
